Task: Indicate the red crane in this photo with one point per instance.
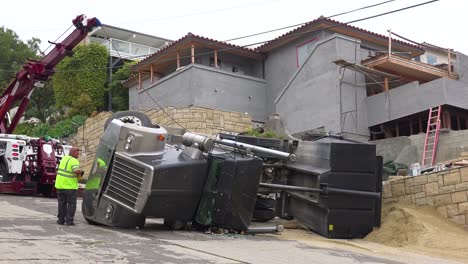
(36, 72)
(29, 165)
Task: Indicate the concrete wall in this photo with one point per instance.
(246, 66)
(198, 85)
(172, 90)
(194, 119)
(451, 146)
(461, 67)
(314, 97)
(446, 190)
(281, 65)
(413, 98)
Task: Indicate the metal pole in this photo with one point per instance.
(264, 229)
(109, 93)
(290, 187)
(328, 190)
(240, 145)
(324, 191)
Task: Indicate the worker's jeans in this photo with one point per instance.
(66, 205)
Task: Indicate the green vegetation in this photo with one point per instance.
(80, 81)
(80, 85)
(61, 129)
(260, 133)
(13, 54)
(120, 93)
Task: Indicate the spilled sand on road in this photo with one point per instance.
(405, 229)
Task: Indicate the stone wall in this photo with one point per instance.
(446, 190)
(194, 119)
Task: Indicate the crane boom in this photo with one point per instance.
(35, 72)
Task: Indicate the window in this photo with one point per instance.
(431, 59)
(418, 58)
(303, 50)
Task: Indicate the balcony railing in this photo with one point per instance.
(125, 49)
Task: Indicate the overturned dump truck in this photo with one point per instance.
(331, 186)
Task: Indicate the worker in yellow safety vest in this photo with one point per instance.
(66, 183)
(99, 171)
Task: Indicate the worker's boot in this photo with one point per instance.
(69, 223)
(60, 222)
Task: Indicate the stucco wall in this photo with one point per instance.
(414, 98)
(194, 119)
(280, 66)
(204, 86)
(446, 190)
(315, 97)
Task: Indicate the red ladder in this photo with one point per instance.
(432, 136)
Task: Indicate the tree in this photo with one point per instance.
(83, 74)
(42, 103)
(118, 91)
(13, 54)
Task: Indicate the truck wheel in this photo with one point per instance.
(263, 215)
(133, 117)
(3, 172)
(47, 190)
(265, 203)
(141, 222)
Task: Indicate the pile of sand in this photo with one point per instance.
(420, 229)
(405, 229)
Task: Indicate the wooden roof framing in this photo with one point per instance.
(402, 66)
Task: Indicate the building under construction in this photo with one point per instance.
(324, 76)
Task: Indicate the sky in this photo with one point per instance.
(443, 23)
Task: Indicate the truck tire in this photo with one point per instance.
(263, 215)
(265, 203)
(3, 172)
(133, 117)
(47, 190)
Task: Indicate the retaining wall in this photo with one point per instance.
(446, 190)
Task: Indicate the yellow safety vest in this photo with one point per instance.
(95, 179)
(66, 178)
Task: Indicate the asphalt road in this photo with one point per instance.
(29, 234)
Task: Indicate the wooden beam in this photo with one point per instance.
(389, 43)
(152, 73)
(192, 53)
(216, 59)
(178, 59)
(449, 119)
(139, 80)
(449, 64)
(386, 83)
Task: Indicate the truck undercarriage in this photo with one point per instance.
(332, 186)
